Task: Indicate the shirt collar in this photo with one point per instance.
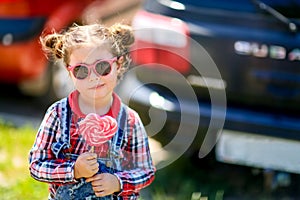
(113, 111)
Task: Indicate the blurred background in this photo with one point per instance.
(216, 83)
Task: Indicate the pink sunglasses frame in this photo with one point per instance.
(92, 67)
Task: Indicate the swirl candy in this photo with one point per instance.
(96, 130)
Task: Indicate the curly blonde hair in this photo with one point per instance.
(119, 37)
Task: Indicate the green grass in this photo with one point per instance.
(15, 180)
(183, 180)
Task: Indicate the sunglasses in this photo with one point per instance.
(101, 67)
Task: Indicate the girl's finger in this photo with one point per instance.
(92, 162)
(94, 178)
(88, 180)
(91, 156)
(100, 194)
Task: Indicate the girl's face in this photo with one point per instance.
(94, 86)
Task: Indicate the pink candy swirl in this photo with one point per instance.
(96, 130)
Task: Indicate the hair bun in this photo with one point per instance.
(122, 33)
(53, 44)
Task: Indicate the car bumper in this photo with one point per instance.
(258, 151)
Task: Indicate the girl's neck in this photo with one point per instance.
(100, 106)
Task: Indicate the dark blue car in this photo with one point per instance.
(219, 76)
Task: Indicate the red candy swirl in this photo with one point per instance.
(96, 130)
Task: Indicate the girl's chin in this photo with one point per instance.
(99, 93)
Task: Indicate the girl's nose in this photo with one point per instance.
(93, 76)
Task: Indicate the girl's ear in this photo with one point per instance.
(120, 61)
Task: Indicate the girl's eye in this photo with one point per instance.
(80, 72)
(103, 68)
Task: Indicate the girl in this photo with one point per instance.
(96, 57)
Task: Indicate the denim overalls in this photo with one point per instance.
(110, 164)
(84, 190)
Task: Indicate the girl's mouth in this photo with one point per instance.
(97, 86)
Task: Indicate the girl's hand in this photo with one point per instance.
(104, 184)
(86, 165)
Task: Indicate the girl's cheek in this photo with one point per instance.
(79, 84)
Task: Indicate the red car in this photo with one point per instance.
(22, 61)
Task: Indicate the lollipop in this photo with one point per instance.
(96, 130)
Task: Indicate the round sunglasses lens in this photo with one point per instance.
(80, 72)
(103, 68)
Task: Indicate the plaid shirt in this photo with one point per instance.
(57, 136)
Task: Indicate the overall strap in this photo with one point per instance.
(122, 123)
(65, 119)
(64, 113)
